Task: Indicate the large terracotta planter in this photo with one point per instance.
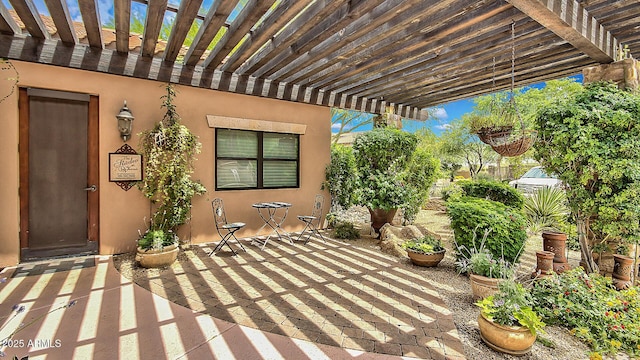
(482, 286)
(379, 217)
(555, 242)
(429, 260)
(157, 258)
(622, 268)
(515, 340)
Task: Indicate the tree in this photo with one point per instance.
(346, 121)
(592, 142)
(459, 145)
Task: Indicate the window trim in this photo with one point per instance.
(260, 160)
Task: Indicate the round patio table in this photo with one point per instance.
(273, 214)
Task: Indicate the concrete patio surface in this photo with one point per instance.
(316, 301)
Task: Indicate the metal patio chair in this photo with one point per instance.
(312, 222)
(225, 230)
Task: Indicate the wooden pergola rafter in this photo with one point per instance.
(357, 54)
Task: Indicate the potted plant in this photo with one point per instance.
(390, 172)
(425, 251)
(485, 271)
(169, 151)
(507, 321)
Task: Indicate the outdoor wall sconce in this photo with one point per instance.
(125, 122)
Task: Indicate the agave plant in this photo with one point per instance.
(545, 209)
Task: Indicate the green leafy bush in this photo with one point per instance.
(606, 319)
(345, 230)
(506, 226)
(427, 244)
(591, 142)
(452, 192)
(340, 179)
(493, 190)
(156, 239)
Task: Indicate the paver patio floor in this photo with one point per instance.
(331, 293)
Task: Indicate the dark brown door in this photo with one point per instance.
(59, 188)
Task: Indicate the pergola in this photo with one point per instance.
(358, 54)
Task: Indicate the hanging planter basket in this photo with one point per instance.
(504, 139)
(513, 145)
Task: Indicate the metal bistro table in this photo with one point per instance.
(273, 214)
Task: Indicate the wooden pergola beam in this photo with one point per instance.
(573, 23)
(212, 24)
(122, 17)
(91, 20)
(28, 13)
(152, 26)
(7, 24)
(59, 12)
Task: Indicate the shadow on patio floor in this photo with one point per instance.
(331, 293)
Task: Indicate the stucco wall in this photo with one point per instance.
(123, 213)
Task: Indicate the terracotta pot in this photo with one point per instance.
(157, 258)
(379, 217)
(622, 268)
(515, 340)
(555, 242)
(430, 260)
(482, 286)
(544, 263)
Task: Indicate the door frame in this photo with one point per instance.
(93, 177)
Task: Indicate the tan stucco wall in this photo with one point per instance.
(122, 213)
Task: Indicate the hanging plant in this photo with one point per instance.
(502, 127)
(169, 150)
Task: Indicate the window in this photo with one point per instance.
(256, 160)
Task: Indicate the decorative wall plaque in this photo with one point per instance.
(125, 167)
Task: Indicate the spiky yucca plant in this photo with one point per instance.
(546, 209)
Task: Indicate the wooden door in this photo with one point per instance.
(58, 173)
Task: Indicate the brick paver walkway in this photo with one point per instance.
(330, 293)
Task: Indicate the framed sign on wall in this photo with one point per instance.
(125, 167)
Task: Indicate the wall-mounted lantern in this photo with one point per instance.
(125, 122)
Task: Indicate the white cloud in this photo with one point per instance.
(335, 126)
(445, 126)
(439, 113)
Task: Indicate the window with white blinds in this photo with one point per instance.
(256, 160)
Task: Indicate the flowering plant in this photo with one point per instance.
(511, 306)
(588, 304)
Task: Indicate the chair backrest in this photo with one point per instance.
(317, 208)
(218, 212)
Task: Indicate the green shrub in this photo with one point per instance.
(507, 233)
(340, 179)
(452, 192)
(493, 190)
(345, 230)
(590, 307)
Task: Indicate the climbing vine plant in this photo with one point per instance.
(169, 150)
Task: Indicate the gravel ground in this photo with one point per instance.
(453, 288)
